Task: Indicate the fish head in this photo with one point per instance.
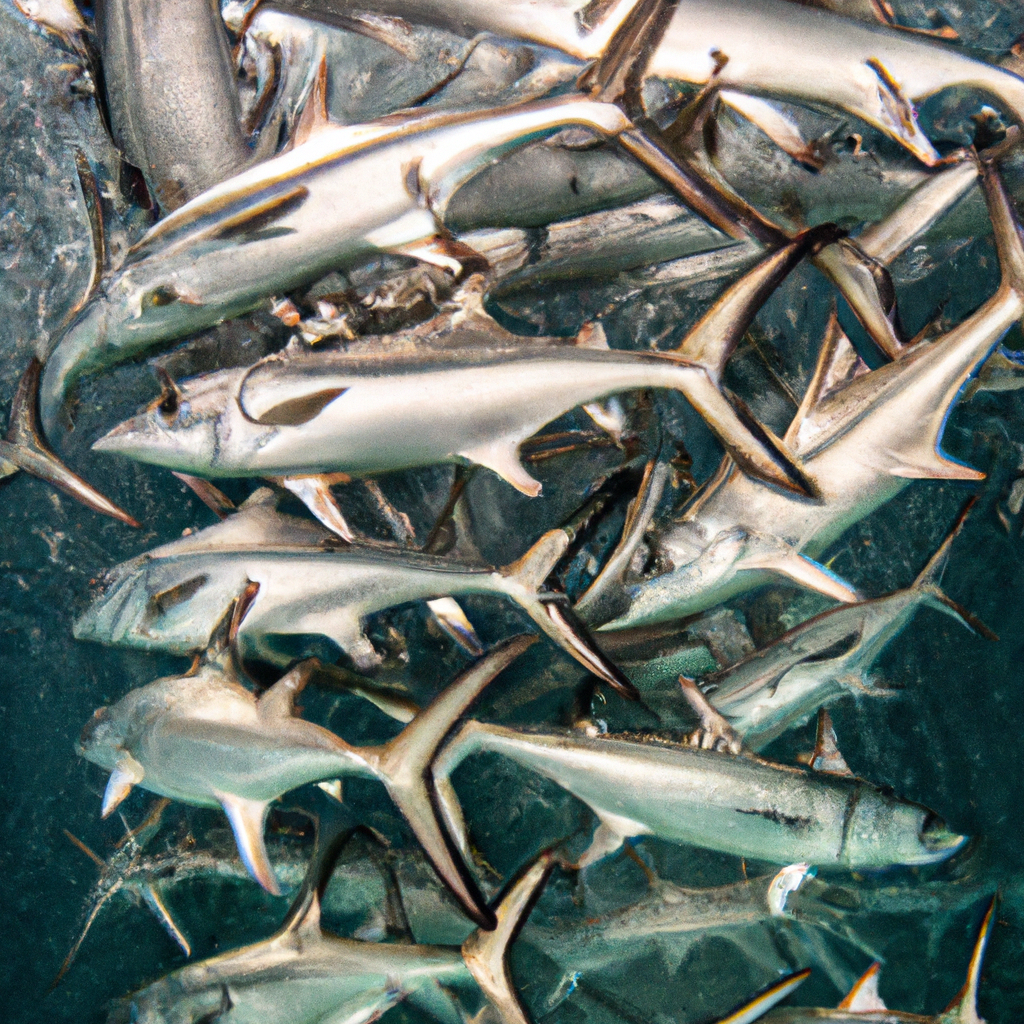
(171, 604)
(103, 737)
(168, 1001)
(184, 428)
(883, 831)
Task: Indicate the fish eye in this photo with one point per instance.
(169, 405)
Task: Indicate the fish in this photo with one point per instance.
(772, 48)
(172, 95)
(306, 975)
(291, 219)
(864, 1004)
(782, 685)
(732, 803)
(205, 740)
(292, 581)
(365, 412)
(861, 436)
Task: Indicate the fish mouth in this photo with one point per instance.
(123, 439)
(88, 733)
(937, 839)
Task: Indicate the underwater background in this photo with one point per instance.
(946, 733)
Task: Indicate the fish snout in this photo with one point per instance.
(938, 839)
(124, 439)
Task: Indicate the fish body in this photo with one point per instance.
(172, 94)
(773, 48)
(734, 804)
(861, 437)
(295, 582)
(304, 975)
(341, 197)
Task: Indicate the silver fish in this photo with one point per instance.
(364, 413)
(172, 94)
(735, 804)
(862, 437)
(279, 225)
(304, 975)
(293, 581)
(812, 664)
(863, 1004)
(765, 47)
(207, 741)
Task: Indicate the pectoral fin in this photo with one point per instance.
(864, 994)
(247, 819)
(611, 832)
(127, 773)
(801, 570)
(315, 493)
(502, 457)
(279, 700)
(930, 464)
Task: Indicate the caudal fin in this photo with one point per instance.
(929, 580)
(404, 767)
(26, 448)
(485, 952)
(553, 612)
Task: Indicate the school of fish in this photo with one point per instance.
(503, 148)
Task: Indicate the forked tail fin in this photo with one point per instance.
(964, 1008)
(929, 581)
(26, 448)
(485, 952)
(403, 765)
(553, 613)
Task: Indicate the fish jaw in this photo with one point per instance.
(76, 353)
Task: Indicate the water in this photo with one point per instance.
(947, 736)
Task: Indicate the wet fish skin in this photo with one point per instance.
(735, 804)
(304, 975)
(288, 221)
(172, 94)
(774, 48)
(862, 437)
(171, 598)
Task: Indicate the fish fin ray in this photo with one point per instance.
(404, 764)
(247, 818)
(864, 994)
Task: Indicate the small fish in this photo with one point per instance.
(292, 580)
(363, 413)
(207, 741)
(187, 136)
(864, 1004)
(772, 48)
(304, 975)
(780, 686)
(861, 437)
(735, 804)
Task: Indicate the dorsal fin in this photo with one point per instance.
(314, 117)
(827, 757)
(762, 1003)
(931, 574)
(864, 994)
(485, 952)
(964, 1008)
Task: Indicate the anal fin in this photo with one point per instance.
(247, 819)
(502, 457)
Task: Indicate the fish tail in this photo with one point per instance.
(554, 614)
(485, 952)
(26, 448)
(929, 580)
(404, 766)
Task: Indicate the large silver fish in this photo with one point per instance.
(172, 94)
(823, 658)
(342, 196)
(205, 740)
(862, 437)
(863, 1004)
(475, 398)
(292, 581)
(735, 804)
(304, 975)
(772, 48)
